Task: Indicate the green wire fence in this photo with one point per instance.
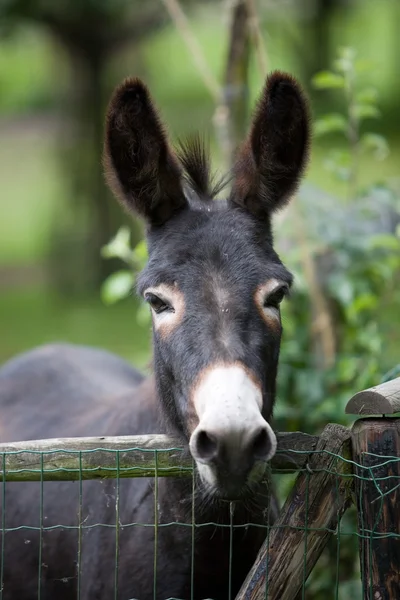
(337, 535)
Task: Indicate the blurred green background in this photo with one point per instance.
(58, 65)
(59, 62)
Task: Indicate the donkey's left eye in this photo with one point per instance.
(275, 298)
(157, 304)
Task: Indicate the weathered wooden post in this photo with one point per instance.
(376, 452)
(310, 515)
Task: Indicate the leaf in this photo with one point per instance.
(376, 143)
(117, 286)
(140, 252)
(364, 302)
(342, 289)
(363, 65)
(119, 246)
(365, 111)
(339, 163)
(385, 241)
(367, 96)
(345, 62)
(330, 123)
(325, 80)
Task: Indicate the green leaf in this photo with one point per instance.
(330, 123)
(363, 302)
(342, 289)
(367, 96)
(363, 65)
(119, 246)
(140, 252)
(325, 80)
(117, 286)
(385, 241)
(345, 62)
(376, 143)
(339, 163)
(365, 111)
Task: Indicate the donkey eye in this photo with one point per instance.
(275, 298)
(157, 304)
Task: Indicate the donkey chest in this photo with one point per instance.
(205, 560)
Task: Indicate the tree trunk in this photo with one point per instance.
(231, 115)
(91, 216)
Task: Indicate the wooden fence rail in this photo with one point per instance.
(68, 459)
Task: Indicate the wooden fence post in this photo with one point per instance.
(376, 452)
(309, 517)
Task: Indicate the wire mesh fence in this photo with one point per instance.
(74, 522)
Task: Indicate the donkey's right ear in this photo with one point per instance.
(141, 169)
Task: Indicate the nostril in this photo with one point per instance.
(206, 446)
(261, 445)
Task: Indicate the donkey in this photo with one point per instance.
(214, 284)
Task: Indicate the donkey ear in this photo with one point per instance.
(141, 169)
(271, 161)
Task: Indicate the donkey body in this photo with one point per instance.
(214, 284)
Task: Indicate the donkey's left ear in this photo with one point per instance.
(141, 169)
(272, 160)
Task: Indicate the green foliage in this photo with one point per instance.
(329, 124)
(119, 247)
(375, 143)
(356, 267)
(326, 80)
(23, 88)
(119, 285)
(361, 104)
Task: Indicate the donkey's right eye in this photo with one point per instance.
(157, 304)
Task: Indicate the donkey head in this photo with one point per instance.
(213, 280)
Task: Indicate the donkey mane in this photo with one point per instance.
(194, 153)
(194, 156)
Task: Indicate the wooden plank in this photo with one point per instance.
(70, 459)
(382, 399)
(376, 448)
(319, 497)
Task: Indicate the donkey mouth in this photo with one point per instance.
(234, 487)
(237, 495)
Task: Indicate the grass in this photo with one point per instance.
(34, 316)
(30, 186)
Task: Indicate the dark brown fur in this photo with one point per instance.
(275, 154)
(136, 145)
